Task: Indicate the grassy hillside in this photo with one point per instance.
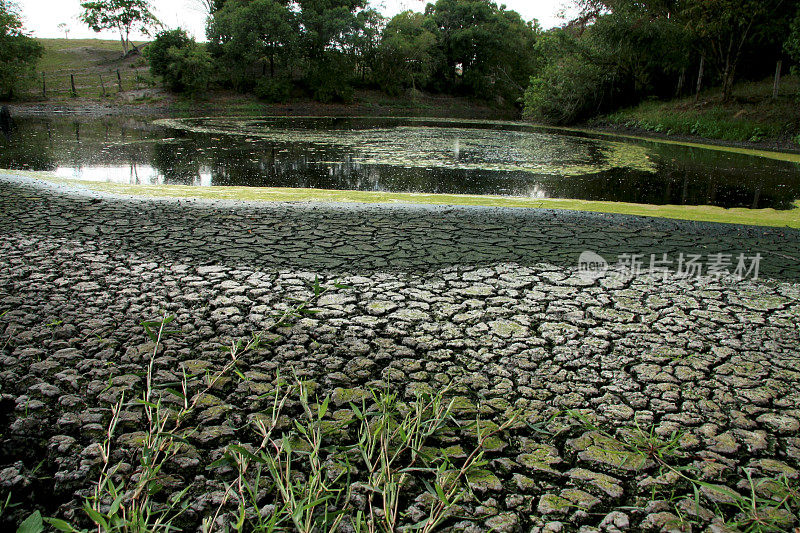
(751, 115)
(93, 63)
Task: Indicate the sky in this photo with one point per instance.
(42, 17)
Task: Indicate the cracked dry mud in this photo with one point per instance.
(486, 300)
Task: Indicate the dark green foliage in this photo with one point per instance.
(273, 90)
(619, 52)
(792, 44)
(157, 52)
(407, 53)
(486, 51)
(250, 39)
(328, 46)
(331, 79)
(18, 52)
(567, 87)
(183, 64)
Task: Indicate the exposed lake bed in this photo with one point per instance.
(108, 226)
(488, 300)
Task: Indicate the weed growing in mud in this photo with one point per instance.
(126, 503)
(6, 504)
(315, 475)
(771, 504)
(318, 480)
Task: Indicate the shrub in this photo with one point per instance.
(18, 52)
(182, 64)
(157, 52)
(331, 80)
(273, 90)
(564, 91)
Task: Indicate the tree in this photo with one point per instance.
(252, 38)
(182, 64)
(407, 52)
(362, 43)
(328, 27)
(63, 27)
(18, 51)
(486, 50)
(724, 27)
(570, 82)
(792, 44)
(123, 16)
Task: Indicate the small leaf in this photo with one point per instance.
(96, 517)
(60, 525)
(323, 408)
(32, 524)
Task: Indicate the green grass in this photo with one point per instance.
(87, 60)
(756, 217)
(751, 115)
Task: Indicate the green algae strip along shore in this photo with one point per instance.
(700, 213)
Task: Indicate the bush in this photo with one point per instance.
(331, 80)
(273, 90)
(564, 91)
(157, 52)
(182, 64)
(18, 52)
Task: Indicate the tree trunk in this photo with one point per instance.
(727, 74)
(681, 80)
(700, 77)
(776, 84)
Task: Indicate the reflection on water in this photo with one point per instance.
(396, 155)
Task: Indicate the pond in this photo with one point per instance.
(397, 155)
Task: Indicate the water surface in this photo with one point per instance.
(397, 155)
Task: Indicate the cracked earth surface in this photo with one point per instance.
(487, 301)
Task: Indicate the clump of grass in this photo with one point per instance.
(313, 478)
(771, 505)
(127, 503)
(758, 514)
(306, 478)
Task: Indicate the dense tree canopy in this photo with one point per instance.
(617, 52)
(613, 53)
(251, 38)
(18, 52)
(470, 47)
(486, 50)
(407, 52)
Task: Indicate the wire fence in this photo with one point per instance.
(95, 81)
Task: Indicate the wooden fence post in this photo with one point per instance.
(119, 81)
(44, 87)
(102, 85)
(72, 84)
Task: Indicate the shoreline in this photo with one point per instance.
(760, 218)
(94, 108)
